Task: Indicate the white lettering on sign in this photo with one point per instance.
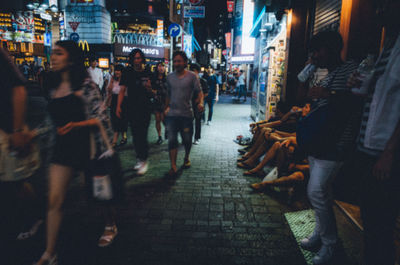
(128, 49)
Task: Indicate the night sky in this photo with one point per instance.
(207, 26)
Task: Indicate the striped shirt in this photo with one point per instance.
(347, 114)
(379, 69)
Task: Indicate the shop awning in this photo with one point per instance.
(257, 24)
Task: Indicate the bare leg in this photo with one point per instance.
(271, 154)
(59, 177)
(259, 141)
(115, 139)
(296, 177)
(158, 123)
(173, 154)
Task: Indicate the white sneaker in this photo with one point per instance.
(312, 242)
(324, 255)
(209, 123)
(196, 142)
(138, 165)
(143, 169)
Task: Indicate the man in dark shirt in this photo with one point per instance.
(212, 95)
(197, 114)
(135, 82)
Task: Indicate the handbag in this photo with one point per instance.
(105, 174)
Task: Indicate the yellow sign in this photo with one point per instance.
(84, 45)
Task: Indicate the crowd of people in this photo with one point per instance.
(346, 118)
(71, 123)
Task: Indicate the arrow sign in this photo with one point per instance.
(74, 25)
(175, 30)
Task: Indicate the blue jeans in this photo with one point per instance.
(322, 173)
(210, 104)
(182, 125)
(242, 91)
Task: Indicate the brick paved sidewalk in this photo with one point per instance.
(207, 216)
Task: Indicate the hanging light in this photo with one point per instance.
(30, 6)
(54, 8)
(44, 6)
(36, 4)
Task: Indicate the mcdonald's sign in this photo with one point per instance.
(84, 45)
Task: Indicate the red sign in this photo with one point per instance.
(74, 25)
(231, 5)
(195, 2)
(228, 40)
(224, 52)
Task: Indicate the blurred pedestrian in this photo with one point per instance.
(159, 85)
(182, 86)
(119, 125)
(135, 81)
(77, 112)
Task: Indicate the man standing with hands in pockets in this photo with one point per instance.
(182, 86)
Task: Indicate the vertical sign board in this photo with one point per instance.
(248, 43)
(160, 30)
(187, 45)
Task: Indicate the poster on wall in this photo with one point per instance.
(23, 21)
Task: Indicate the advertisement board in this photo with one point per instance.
(194, 11)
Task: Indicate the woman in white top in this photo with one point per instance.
(119, 125)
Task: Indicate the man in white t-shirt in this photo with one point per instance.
(96, 74)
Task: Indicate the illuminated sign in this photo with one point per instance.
(150, 51)
(103, 62)
(228, 40)
(248, 43)
(243, 59)
(84, 45)
(230, 6)
(194, 12)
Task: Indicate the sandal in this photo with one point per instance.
(31, 232)
(187, 164)
(244, 165)
(48, 260)
(171, 173)
(123, 141)
(109, 234)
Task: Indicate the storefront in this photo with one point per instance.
(26, 35)
(270, 72)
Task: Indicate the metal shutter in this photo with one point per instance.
(327, 15)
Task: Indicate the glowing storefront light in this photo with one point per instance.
(248, 14)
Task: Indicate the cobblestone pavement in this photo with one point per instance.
(206, 216)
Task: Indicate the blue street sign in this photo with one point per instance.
(174, 30)
(74, 37)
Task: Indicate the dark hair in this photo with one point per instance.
(92, 59)
(118, 67)
(77, 69)
(133, 53)
(181, 54)
(195, 67)
(156, 73)
(283, 107)
(332, 40)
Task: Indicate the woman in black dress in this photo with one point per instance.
(158, 85)
(78, 113)
(119, 125)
